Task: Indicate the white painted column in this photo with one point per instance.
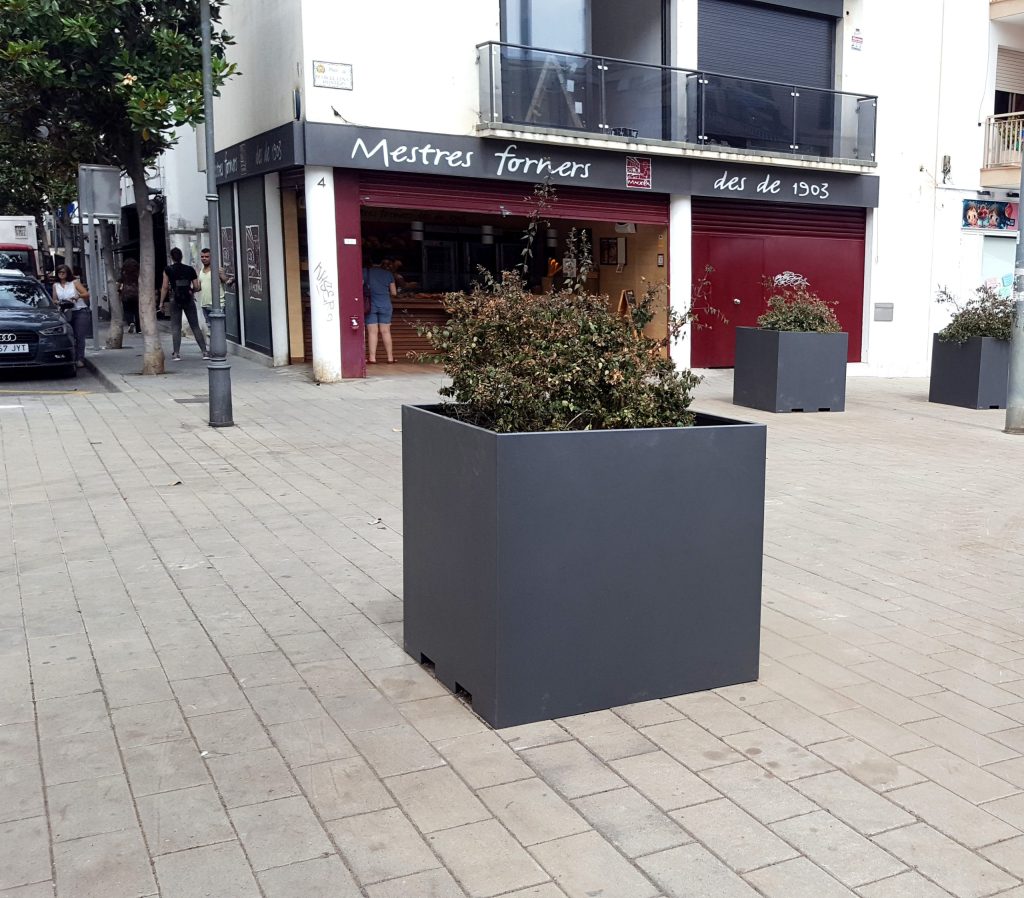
(275, 270)
(321, 233)
(680, 275)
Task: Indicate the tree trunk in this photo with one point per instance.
(152, 351)
(44, 242)
(115, 337)
(67, 236)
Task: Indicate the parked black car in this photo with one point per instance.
(33, 332)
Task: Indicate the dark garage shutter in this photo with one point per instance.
(766, 43)
(743, 217)
(430, 192)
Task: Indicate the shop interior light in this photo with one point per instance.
(416, 228)
(487, 234)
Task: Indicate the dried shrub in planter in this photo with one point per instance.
(793, 306)
(986, 314)
(560, 360)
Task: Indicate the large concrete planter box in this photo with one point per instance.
(972, 374)
(786, 371)
(549, 574)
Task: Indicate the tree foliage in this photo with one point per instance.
(107, 81)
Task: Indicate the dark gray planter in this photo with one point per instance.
(972, 374)
(786, 371)
(549, 574)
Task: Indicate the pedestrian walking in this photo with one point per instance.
(128, 288)
(181, 284)
(73, 299)
(206, 284)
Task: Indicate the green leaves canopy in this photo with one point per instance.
(108, 78)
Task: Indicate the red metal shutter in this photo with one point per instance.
(437, 193)
(746, 218)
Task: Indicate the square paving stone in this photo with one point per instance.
(943, 861)
(90, 807)
(24, 852)
(21, 792)
(209, 695)
(103, 866)
(187, 818)
(483, 759)
(311, 741)
(838, 849)
(251, 777)
(733, 835)
(432, 884)
(586, 864)
(572, 769)
(436, 799)
(324, 877)
(630, 822)
(164, 767)
(532, 811)
(280, 832)
(382, 845)
(343, 788)
(214, 871)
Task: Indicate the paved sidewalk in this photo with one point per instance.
(203, 692)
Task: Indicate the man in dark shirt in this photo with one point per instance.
(182, 283)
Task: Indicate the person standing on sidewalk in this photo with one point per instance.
(128, 287)
(182, 282)
(206, 285)
(69, 294)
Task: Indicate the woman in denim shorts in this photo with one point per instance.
(381, 286)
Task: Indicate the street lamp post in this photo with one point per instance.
(219, 369)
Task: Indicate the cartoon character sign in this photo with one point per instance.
(991, 215)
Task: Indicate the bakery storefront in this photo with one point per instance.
(438, 208)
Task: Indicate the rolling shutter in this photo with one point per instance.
(765, 43)
(740, 217)
(1010, 71)
(431, 192)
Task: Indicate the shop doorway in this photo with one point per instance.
(432, 253)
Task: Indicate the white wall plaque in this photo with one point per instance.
(332, 74)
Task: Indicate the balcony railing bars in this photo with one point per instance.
(1003, 136)
(606, 96)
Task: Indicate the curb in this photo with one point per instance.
(101, 376)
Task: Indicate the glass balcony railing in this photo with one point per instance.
(547, 89)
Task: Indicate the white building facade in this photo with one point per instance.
(725, 139)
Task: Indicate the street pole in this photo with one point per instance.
(1015, 381)
(219, 369)
(93, 274)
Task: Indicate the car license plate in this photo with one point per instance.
(13, 347)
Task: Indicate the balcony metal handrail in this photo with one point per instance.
(697, 106)
(1004, 139)
(675, 69)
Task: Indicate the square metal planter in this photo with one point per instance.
(972, 374)
(549, 574)
(786, 371)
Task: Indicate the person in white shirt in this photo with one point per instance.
(70, 295)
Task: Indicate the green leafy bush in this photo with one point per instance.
(793, 306)
(985, 314)
(561, 360)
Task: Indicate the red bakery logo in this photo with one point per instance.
(638, 172)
